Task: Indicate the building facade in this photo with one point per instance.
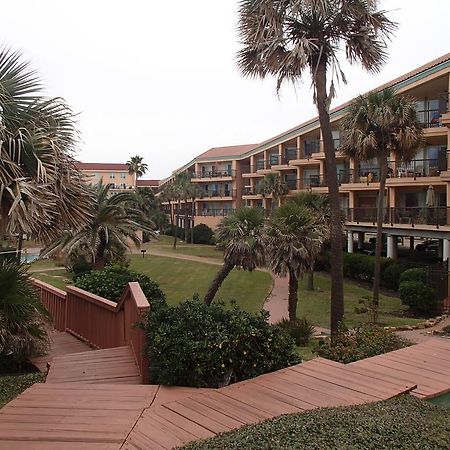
(417, 195)
(109, 173)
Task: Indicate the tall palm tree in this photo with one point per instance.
(41, 190)
(242, 238)
(107, 235)
(194, 192)
(294, 234)
(285, 39)
(167, 195)
(136, 166)
(185, 189)
(273, 185)
(378, 125)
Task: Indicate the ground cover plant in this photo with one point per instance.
(193, 344)
(12, 385)
(402, 423)
(360, 343)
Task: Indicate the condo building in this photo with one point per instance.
(417, 195)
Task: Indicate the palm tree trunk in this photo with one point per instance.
(175, 228)
(192, 226)
(379, 238)
(217, 282)
(292, 298)
(19, 247)
(99, 262)
(336, 254)
(186, 229)
(310, 283)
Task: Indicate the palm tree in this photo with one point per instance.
(185, 188)
(41, 190)
(23, 320)
(167, 195)
(194, 192)
(294, 234)
(286, 38)
(136, 166)
(378, 125)
(273, 185)
(107, 235)
(242, 238)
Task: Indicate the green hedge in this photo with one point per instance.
(415, 274)
(402, 423)
(418, 296)
(197, 345)
(362, 267)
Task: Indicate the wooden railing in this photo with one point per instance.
(97, 321)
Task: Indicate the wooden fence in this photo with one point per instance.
(97, 321)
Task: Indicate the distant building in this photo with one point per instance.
(152, 184)
(109, 173)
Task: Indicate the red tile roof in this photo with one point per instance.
(150, 183)
(101, 166)
(230, 150)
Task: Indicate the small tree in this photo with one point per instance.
(242, 239)
(379, 125)
(273, 185)
(137, 166)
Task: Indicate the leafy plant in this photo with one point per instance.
(363, 342)
(301, 330)
(418, 296)
(361, 267)
(111, 281)
(391, 275)
(193, 344)
(203, 234)
(369, 307)
(23, 319)
(415, 274)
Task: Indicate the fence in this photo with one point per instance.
(97, 321)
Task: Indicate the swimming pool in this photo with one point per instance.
(442, 400)
(28, 258)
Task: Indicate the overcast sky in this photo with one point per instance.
(159, 79)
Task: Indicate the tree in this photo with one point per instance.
(23, 319)
(241, 236)
(378, 125)
(294, 235)
(194, 192)
(136, 166)
(167, 195)
(273, 185)
(107, 235)
(186, 190)
(286, 38)
(41, 189)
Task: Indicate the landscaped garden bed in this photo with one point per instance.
(12, 385)
(402, 423)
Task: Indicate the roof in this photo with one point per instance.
(150, 183)
(101, 166)
(230, 150)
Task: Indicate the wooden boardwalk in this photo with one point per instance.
(119, 416)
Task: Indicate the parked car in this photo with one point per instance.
(428, 246)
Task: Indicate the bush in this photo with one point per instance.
(364, 342)
(197, 345)
(300, 330)
(322, 262)
(415, 274)
(203, 234)
(391, 276)
(362, 267)
(169, 231)
(111, 281)
(8, 254)
(81, 267)
(418, 296)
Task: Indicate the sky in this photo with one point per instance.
(160, 80)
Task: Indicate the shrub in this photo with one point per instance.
(203, 234)
(446, 329)
(300, 330)
(197, 345)
(361, 267)
(418, 296)
(415, 274)
(322, 262)
(111, 281)
(391, 275)
(364, 342)
(23, 319)
(8, 254)
(81, 267)
(169, 231)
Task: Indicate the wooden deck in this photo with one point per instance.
(119, 416)
(61, 344)
(112, 365)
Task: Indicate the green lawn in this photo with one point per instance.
(402, 423)
(316, 305)
(180, 279)
(12, 385)
(58, 278)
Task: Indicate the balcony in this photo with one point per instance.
(417, 168)
(248, 190)
(215, 174)
(215, 212)
(435, 216)
(219, 193)
(311, 147)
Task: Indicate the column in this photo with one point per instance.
(446, 250)
(360, 240)
(411, 243)
(350, 241)
(441, 249)
(391, 246)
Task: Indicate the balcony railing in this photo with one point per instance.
(417, 168)
(248, 190)
(218, 193)
(415, 216)
(429, 118)
(215, 212)
(311, 147)
(215, 173)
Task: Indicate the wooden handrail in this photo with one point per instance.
(97, 321)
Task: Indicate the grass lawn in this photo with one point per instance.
(316, 305)
(164, 244)
(57, 278)
(180, 279)
(12, 385)
(306, 352)
(402, 423)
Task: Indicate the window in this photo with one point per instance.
(123, 175)
(112, 176)
(411, 200)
